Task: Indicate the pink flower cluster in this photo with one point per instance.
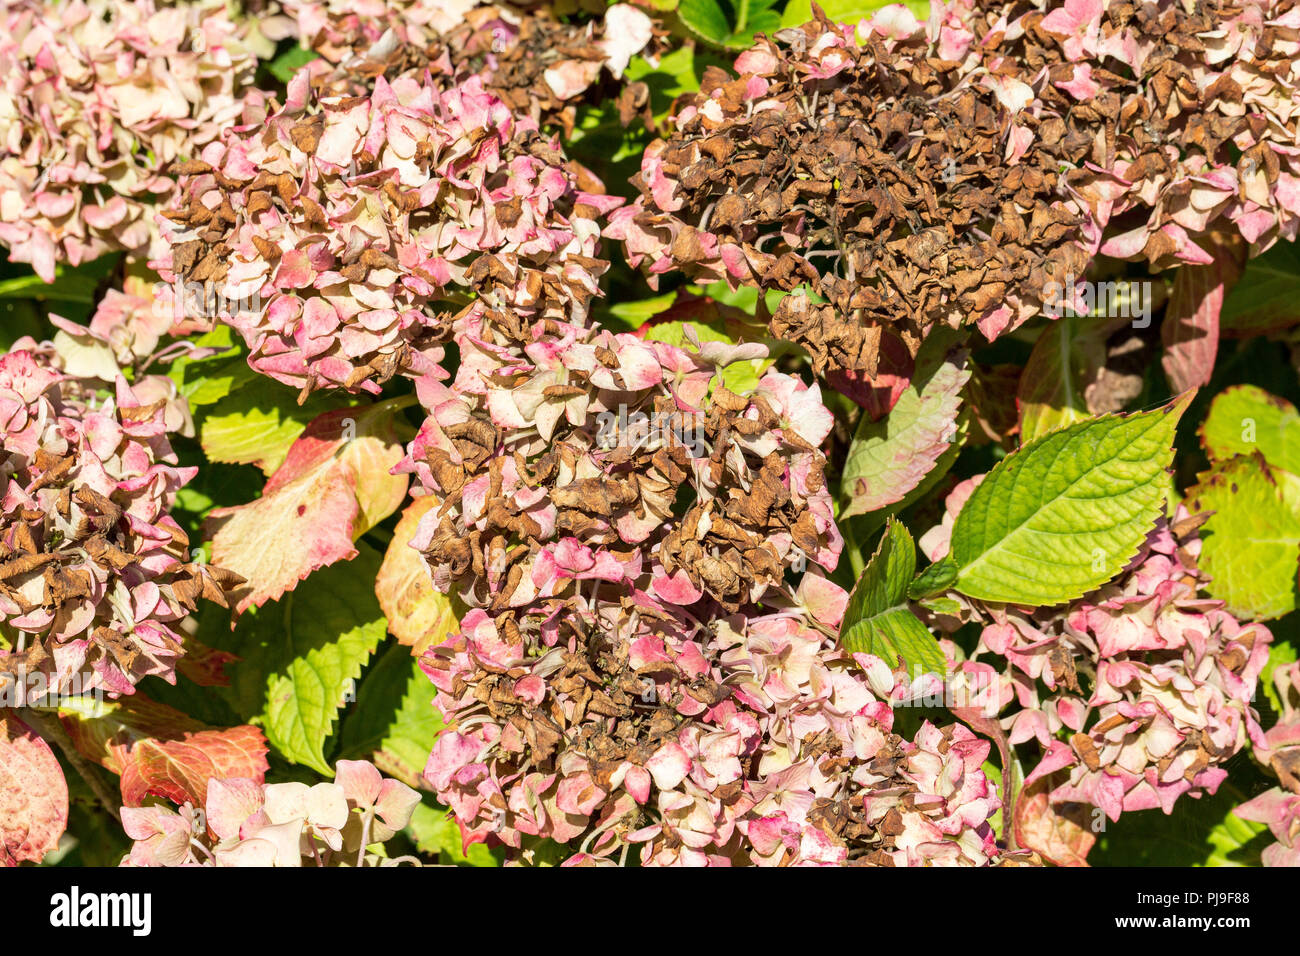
(338, 225)
(463, 38)
(338, 28)
(635, 669)
(1137, 693)
(94, 573)
(1210, 115)
(1280, 752)
(97, 97)
(246, 823)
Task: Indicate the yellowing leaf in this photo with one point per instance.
(1246, 418)
(334, 484)
(257, 423)
(160, 751)
(1251, 543)
(418, 615)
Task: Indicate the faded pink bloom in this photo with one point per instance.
(400, 206)
(103, 578)
(97, 98)
(276, 824)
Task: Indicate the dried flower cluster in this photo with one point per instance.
(94, 573)
(338, 224)
(1137, 693)
(1177, 116)
(963, 171)
(540, 65)
(622, 573)
(246, 823)
(880, 190)
(635, 669)
(97, 98)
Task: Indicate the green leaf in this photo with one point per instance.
(799, 12)
(1280, 654)
(1250, 546)
(941, 605)
(20, 317)
(877, 619)
(891, 457)
(1268, 296)
(740, 377)
(706, 19)
(394, 722)
(217, 381)
(1066, 513)
(205, 381)
(729, 24)
(1230, 842)
(1246, 418)
(257, 423)
(638, 312)
(303, 654)
(72, 285)
(97, 839)
(935, 579)
(1200, 832)
(284, 66)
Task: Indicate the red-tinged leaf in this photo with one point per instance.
(180, 769)
(880, 393)
(205, 666)
(991, 397)
(890, 457)
(1059, 833)
(1190, 331)
(160, 751)
(367, 442)
(735, 323)
(33, 794)
(281, 538)
(334, 484)
(418, 615)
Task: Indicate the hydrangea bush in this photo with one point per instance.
(646, 434)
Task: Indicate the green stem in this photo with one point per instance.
(398, 402)
(742, 15)
(852, 545)
(48, 726)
